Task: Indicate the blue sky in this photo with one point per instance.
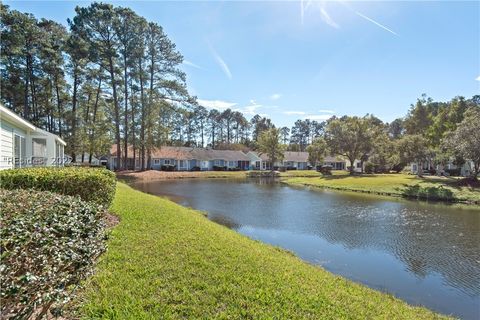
(292, 60)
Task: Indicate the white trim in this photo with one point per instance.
(16, 119)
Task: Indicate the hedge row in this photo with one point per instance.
(49, 242)
(428, 193)
(91, 184)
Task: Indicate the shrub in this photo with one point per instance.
(369, 167)
(48, 243)
(428, 193)
(453, 172)
(168, 167)
(91, 184)
(325, 170)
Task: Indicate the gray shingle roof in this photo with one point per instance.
(295, 156)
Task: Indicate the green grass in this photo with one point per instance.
(168, 261)
(386, 184)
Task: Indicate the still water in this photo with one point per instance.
(425, 254)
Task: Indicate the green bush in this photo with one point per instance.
(48, 243)
(428, 193)
(90, 184)
(369, 167)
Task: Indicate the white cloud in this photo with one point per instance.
(250, 109)
(216, 104)
(375, 22)
(319, 117)
(478, 78)
(191, 64)
(326, 111)
(275, 96)
(221, 63)
(294, 113)
(327, 19)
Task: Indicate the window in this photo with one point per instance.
(217, 162)
(166, 161)
(39, 152)
(182, 164)
(39, 147)
(257, 164)
(359, 165)
(156, 161)
(231, 163)
(19, 151)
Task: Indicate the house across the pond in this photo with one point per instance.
(168, 158)
(184, 159)
(292, 160)
(24, 145)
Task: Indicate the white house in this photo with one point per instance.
(24, 145)
(464, 170)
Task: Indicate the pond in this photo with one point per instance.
(426, 254)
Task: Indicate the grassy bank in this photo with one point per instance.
(168, 261)
(390, 184)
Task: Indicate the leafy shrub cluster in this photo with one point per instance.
(48, 243)
(90, 184)
(428, 193)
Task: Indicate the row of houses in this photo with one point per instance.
(24, 145)
(204, 159)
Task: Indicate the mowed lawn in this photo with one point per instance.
(167, 261)
(389, 184)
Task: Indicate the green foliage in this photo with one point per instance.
(269, 143)
(90, 184)
(438, 188)
(316, 151)
(48, 243)
(414, 148)
(428, 193)
(168, 261)
(351, 137)
(464, 142)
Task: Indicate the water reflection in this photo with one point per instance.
(425, 254)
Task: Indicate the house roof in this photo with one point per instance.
(46, 133)
(211, 154)
(261, 156)
(333, 159)
(167, 152)
(295, 156)
(189, 153)
(14, 118)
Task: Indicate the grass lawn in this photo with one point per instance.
(168, 261)
(389, 184)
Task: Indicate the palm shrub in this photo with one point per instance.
(90, 184)
(49, 242)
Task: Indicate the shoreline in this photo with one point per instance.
(471, 204)
(310, 179)
(221, 267)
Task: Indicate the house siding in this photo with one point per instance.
(53, 153)
(6, 145)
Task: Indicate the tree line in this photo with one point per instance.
(112, 77)
(432, 132)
